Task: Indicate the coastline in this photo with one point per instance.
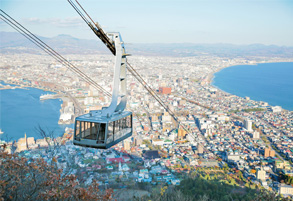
(59, 104)
(23, 86)
(211, 76)
(58, 94)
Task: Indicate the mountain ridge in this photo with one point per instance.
(13, 42)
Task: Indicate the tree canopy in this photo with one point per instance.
(34, 179)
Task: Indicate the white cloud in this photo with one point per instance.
(67, 22)
(33, 20)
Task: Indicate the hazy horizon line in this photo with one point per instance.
(162, 43)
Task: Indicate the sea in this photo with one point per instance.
(22, 112)
(268, 82)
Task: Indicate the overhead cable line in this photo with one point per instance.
(97, 29)
(154, 94)
(34, 39)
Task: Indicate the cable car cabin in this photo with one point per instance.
(102, 132)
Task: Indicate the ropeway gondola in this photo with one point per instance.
(111, 125)
(104, 128)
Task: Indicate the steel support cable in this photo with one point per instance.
(155, 95)
(18, 27)
(84, 11)
(150, 90)
(98, 30)
(159, 101)
(28, 37)
(25, 35)
(41, 43)
(78, 11)
(37, 44)
(145, 84)
(68, 64)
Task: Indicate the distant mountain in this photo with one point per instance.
(12, 42)
(64, 44)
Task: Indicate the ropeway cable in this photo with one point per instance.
(22, 30)
(84, 11)
(97, 29)
(78, 11)
(155, 95)
(48, 49)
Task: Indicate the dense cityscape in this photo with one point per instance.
(241, 134)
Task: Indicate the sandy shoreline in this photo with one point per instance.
(210, 77)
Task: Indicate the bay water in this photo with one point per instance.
(268, 82)
(22, 111)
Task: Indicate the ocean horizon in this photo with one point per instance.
(267, 82)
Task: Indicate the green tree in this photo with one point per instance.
(247, 185)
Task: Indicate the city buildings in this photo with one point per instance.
(269, 153)
(220, 124)
(286, 190)
(165, 90)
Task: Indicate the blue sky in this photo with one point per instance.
(162, 21)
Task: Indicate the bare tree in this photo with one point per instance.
(49, 136)
(54, 146)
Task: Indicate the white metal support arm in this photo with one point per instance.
(119, 88)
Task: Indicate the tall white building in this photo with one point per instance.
(248, 124)
(256, 135)
(261, 174)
